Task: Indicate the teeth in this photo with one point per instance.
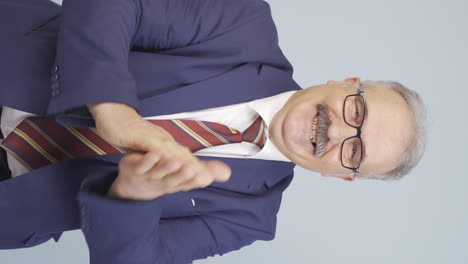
(313, 132)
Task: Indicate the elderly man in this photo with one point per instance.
(167, 130)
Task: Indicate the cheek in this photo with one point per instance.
(331, 161)
(335, 107)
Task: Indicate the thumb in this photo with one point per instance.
(220, 170)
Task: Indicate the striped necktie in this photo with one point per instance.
(39, 141)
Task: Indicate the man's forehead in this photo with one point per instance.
(386, 130)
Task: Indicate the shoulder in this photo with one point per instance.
(189, 22)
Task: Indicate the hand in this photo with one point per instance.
(121, 125)
(171, 169)
(175, 167)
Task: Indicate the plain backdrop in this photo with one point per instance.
(420, 219)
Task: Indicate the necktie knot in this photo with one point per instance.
(255, 133)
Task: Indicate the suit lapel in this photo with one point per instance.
(246, 83)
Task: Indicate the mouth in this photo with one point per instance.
(313, 133)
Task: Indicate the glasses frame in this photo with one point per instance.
(358, 128)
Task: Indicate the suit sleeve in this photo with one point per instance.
(96, 36)
(121, 232)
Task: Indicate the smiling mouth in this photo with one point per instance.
(313, 132)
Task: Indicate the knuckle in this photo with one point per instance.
(165, 188)
(126, 159)
(185, 149)
(197, 181)
(134, 156)
(172, 164)
(194, 166)
(186, 169)
(186, 173)
(202, 181)
(168, 190)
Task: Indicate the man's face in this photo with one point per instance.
(385, 133)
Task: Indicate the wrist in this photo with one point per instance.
(126, 190)
(111, 108)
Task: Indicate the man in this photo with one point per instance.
(188, 58)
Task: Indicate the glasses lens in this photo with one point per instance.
(351, 152)
(354, 110)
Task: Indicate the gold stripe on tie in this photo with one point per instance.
(192, 133)
(35, 145)
(20, 160)
(262, 127)
(86, 141)
(234, 131)
(212, 132)
(48, 138)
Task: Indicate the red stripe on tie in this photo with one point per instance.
(179, 135)
(27, 151)
(251, 133)
(226, 132)
(42, 142)
(97, 140)
(205, 134)
(70, 143)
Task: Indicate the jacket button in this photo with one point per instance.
(54, 78)
(55, 69)
(55, 86)
(55, 92)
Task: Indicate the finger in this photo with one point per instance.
(219, 171)
(163, 168)
(214, 171)
(153, 138)
(184, 174)
(199, 180)
(131, 160)
(149, 160)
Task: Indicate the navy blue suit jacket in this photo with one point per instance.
(161, 57)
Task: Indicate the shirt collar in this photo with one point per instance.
(267, 108)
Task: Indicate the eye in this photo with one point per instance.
(356, 112)
(355, 151)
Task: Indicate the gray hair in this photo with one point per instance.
(415, 149)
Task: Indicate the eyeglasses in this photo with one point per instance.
(354, 113)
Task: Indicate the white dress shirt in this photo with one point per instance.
(238, 116)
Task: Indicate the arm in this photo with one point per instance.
(120, 231)
(93, 49)
(96, 36)
(92, 54)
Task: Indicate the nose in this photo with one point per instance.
(339, 131)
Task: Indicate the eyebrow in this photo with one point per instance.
(367, 109)
(364, 154)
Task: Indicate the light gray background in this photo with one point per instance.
(421, 219)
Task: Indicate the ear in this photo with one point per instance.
(352, 80)
(346, 177)
(349, 81)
